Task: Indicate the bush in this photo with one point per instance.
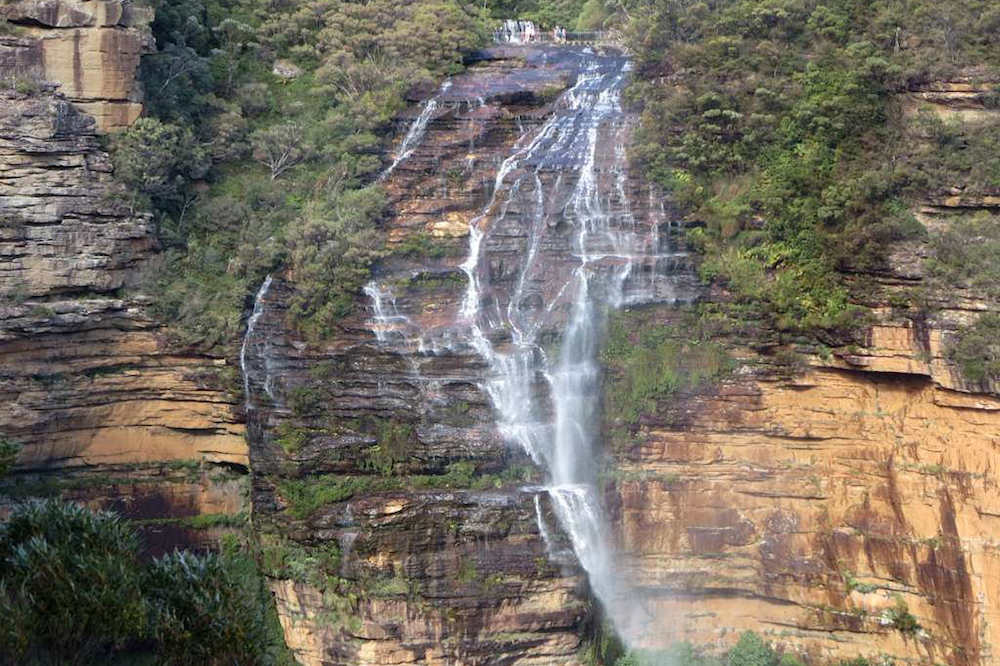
(778, 131)
(975, 350)
(207, 609)
(650, 363)
(72, 584)
(73, 591)
(751, 650)
(157, 160)
(332, 250)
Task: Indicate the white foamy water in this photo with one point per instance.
(558, 221)
(564, 175)
(258, 310)
(415, 134)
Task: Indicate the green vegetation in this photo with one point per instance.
(393, 443)
(965, 252)
(307, 495)
(852, 583)
(203, 521)
(975, 349)
(901, 618)
(647, 363)
(571, 14)
(284, 558)
(291, 438)
(248, 170)
(750, 650)
(779, 134)
(73, 590)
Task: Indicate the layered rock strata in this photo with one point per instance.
(90, 48)
(845, 510)
(89, 386)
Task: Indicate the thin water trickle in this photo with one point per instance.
(415, 134)
(258, 310)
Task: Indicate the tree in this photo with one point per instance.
(207, 609)
(751, 650)
(69, 583)
(280, 147)
(157, 159)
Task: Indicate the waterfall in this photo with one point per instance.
(516, 31)
(386, 319)
(258, 310)
(563, 177)
(416, 131)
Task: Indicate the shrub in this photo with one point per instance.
(207, 609)
(975, 350)
(73, 591)
(157, 160)
(72, 585)
(648, 365)
(901, 618)
(751, 650)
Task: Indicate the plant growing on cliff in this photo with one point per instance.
(648, 363)
(900, 618)
(975, 349)
(776, 129)
(393, 443)
(8, 454)
(212, 93)
(158, 160)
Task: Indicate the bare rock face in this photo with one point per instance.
(91, 48)
(88, 387)
(66, 227)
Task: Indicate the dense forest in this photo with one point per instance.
(772, 125)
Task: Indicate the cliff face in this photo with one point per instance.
(446, 551)
(832, 509)
(103, 409)
(844, 508)
(90, 48)
(829, 509)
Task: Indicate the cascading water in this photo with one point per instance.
(416, 132)
(606, 246)
(258, 310)
(562, 194)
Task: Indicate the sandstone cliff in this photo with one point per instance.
(821, 508)
(90, 48)
(828, 508)
(90, 390)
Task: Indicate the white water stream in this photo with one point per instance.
(563, 194)
(258, 310)
(606, 248)
(415, 134)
